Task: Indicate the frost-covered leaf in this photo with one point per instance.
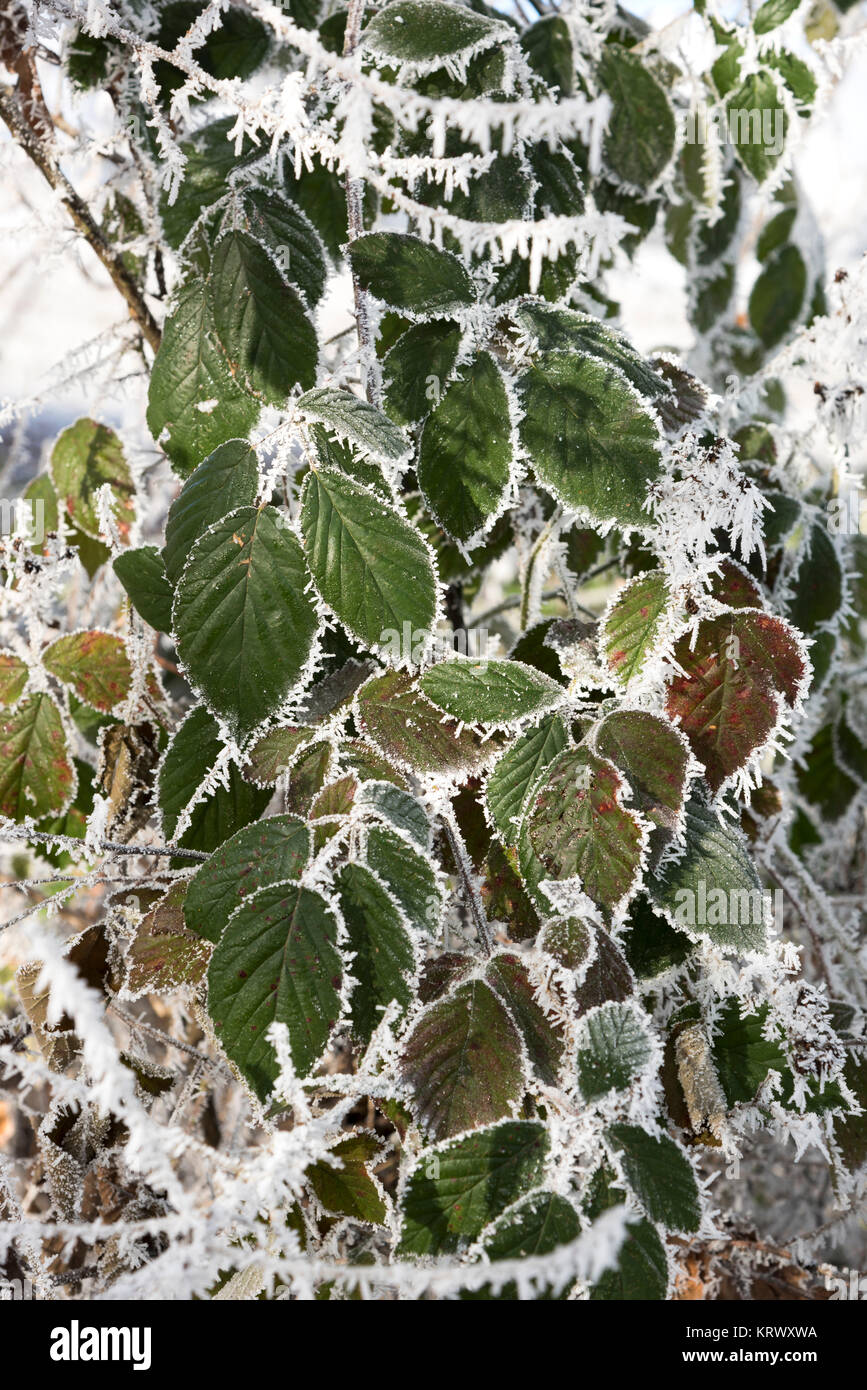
(291, 238)
(548, 47)
(462, 1061)
(607, 977)
(507, 975)
(228, 478)
(613, 1049)
(577, 827)
(368, 563)
(535, 1226)
(189, 759)
(773, 13)
(268, 340)
(518, 770)
(349, 1190)
(411, 275)
(243, 622)
(353, 420)
(142, 573)
(639, 140)
(95, 664)
(817, 586)
(652, 755)
(273, 753)
(384, 961)
(412, 731)
(489, 692)
(428, 32)
(559, 330)
(742, 667)
(193, 394)
(417, 367)
(272, 851)
(407, 875)
(713, 889)
(465, 454)
(399, 809)
(36, 773)
(745, 1049)
(756, 100)
(210, 158)
(277, 961)
(567, 940)
(469, 1185)
(630, 626)
(659, 1175)
(777, 296)
(589, 438)
(86, 457)
(13, 678)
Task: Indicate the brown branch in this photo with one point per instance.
(26, 135)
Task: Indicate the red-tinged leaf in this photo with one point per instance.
(462, 1062)
(272, 755)
(412, 731)
(507, 975)
(578, 827)
(36, 772)
(735, 587)
(742, 667)
(653, 757)
(94, 664)
(628, 630)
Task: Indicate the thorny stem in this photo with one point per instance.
(465, 873)
(81, 216)
(355, 218)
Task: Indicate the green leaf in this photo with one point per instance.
(268, 340)
(470, 1184)
(408, 877)
(193, 394)
(235, 49)
(567, 940)
(518, 771)
(652, 945)
(428, 32)
(368, 563)
(276, 962)
(142, 573)
(558, 330)
(743, 1054)
(36, 773)
(291, 238)
(590, 440)
(13, 678)
(189, 759)
(507, 975)
(272, 851)
(607, 978)
(398, 809)
(465, 454)
(777, 297)
(629, 628)
(578, 827)
(384, 963)
(410, 730)
(94, 664)
(226, 479)
(659, 1175)
(756, 95)
(462, 1061)
(642, 1268)
(411, 275)
(740, 669)
(715, 870)
(243, 622)
(86, 457)
(350, 1190)
(773, 13)
(211, 158)
(797, 76)
(416, 369)
(489, 692)
(817, 587)
(536, 1226)
(353, 420)
(639, 141)
(548, 47)
(613, 1049)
